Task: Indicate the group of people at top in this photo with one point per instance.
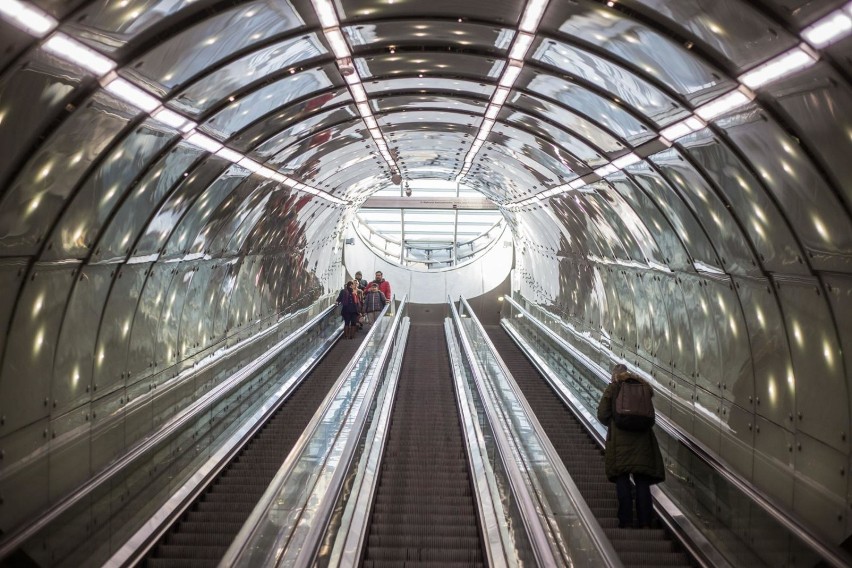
(360, 301)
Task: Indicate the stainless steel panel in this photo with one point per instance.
(30, 347)
(426, 63)
(735, 357)
(737, 438)
(708, 364)
(89, 210)
(773, 370)
(802, 12)
(680, 332)
(71, 382)
(139, 420)
(574, 145)
(142, 358)
(170, 212)
(222, 284)
(812, 208)
(593, 106)
(638, 46)
(819, 491)
(354, 11)
(108, 428)
(315, 128)
(815, 101)
(187, 232)
(721, 228)
(618, 82)
(111, 363)
(136, 209)
(773, 461)
(193, 334)
(670, 204)
(260, 66)
(167, 345)
(460, 34)
(45, 81)
(655, 225)
(822, 395)
(11, 277)
(24, 477)
(759, 216)
(740, 33)
(247, 109)
(185, 55)
(68, 458)
(708, 418)
(32, 202)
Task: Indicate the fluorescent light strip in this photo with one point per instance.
(723, 104)
(130, 93)
(781, 66)
(338, 43)
(72, 50)
(325, 12)
(229, 155)
(29, 18)
(533, 12)
(829, 29)
(173, 119)
(626, 160)
(204, 142)
(520, 46)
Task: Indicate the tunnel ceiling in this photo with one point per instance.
(521, 101)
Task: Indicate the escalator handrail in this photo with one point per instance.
(828, 552)
(308, 553)
(261, 510)
(539, 542)
(191, 412)
(588, 519)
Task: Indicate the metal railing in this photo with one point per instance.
(703, 539)
(560, 526)
(288, 523)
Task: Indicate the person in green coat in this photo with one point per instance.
(630, 453)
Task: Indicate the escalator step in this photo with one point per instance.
(584, 461)
(205, 531)
(423, 513)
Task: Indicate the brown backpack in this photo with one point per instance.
(633, 408)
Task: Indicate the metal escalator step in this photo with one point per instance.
(206, 530)
(423, 513)
(584, 461)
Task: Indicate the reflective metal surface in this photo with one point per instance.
(718, 257)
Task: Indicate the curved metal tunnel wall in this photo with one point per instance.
(721, 264)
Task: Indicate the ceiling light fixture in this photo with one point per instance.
(72, 50)
(29, 18)
(130, 93)
(723, 104)
(781, 66)
(829, 29)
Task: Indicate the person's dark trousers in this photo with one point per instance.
(624, 492)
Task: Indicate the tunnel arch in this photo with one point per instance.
(713, 253)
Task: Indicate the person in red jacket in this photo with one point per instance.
(384, 285)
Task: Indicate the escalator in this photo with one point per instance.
(204, 532)
(584, 461)
(424, 512)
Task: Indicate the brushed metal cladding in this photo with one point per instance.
(71, 376)
(50, 83)
(632, 43)
(822, 408)
(13, 42)
(100, 193)
(774, 242)
(24, 483)
(810, 205)
(44, 185)
(31, 346)
(814, 102)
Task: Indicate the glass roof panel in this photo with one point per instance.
(641, 47)
(604, 112)
(184, 56)
(246, 110)
(210, 91)
(424, 32)
(634, 91)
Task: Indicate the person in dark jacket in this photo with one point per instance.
(630, 453)
(374, 301)
(347, 300)
(362, 282)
